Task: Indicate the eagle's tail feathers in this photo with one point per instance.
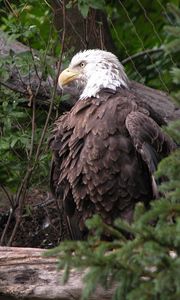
(73, 228)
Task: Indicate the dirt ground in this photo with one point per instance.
(43, 224)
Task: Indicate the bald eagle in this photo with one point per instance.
(107, 147)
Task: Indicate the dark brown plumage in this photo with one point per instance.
(105, 151)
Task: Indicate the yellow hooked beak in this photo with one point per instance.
(67, 76)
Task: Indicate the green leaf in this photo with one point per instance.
(83, 8)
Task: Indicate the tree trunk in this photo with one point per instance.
(81, 33)
(26, 274)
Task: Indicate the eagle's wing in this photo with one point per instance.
(148, 139)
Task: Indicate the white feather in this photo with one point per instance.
(102, 70)
(154, 187)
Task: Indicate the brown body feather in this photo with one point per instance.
(105, 151)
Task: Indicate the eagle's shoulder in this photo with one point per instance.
(111, 106)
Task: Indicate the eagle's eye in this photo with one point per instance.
(82, 64)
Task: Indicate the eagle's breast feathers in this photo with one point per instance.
(105, 153)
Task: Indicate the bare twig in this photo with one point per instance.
(19, 201)
(101, 36)
(6, 227)
(76, 32)
(33, 126)
(7, 195)
(41, 100)
(143, 53)
(10, 8)
(55, 86)
(34, 102)
(21, 193)
(35, 67)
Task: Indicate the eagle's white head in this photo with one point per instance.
(93, 70)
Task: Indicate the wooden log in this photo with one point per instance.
(26, 274)
(161, 102)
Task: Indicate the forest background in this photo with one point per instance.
(145, 35)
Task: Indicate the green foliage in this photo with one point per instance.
(137, 26)
(12, 140)
(173, 46)
(29, 22)
(15, 144)
(85, 5)
(146, 267)
(18, 144)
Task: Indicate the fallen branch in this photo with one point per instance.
(146, 52)
(26, 274)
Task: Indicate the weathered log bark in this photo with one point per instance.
(161, 102)
(26, 274)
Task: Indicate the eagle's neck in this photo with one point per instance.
(111, 78)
